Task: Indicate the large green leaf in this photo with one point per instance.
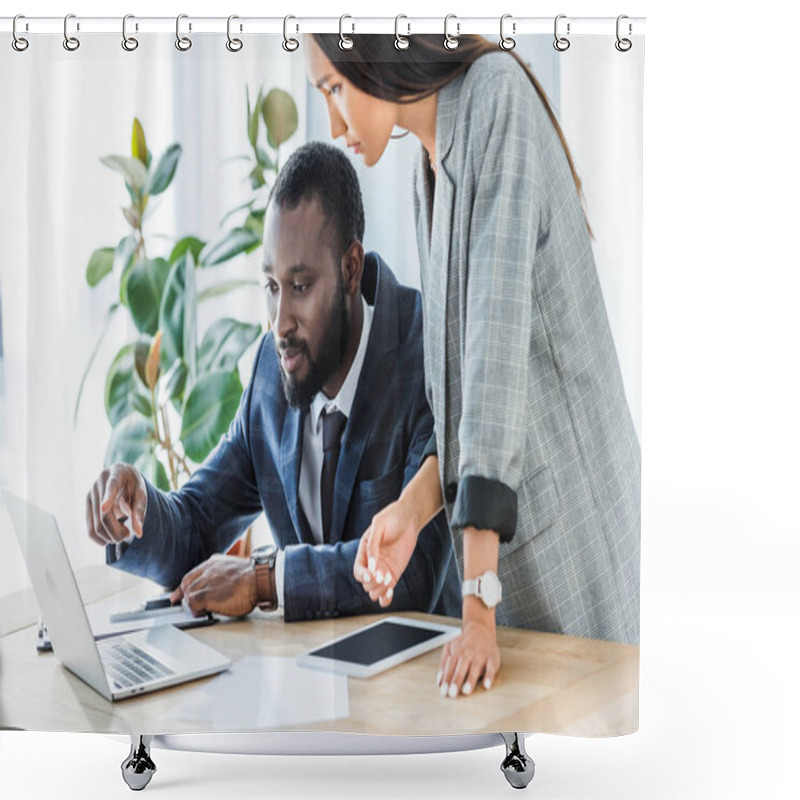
(123, 259)
(131, 438)
(152, 469)
(123, 393)
(172, 312)
(280, 115)
(173, 382)
(141, 350)
(143, 290)
(100, 264)
(232, 243)
(224, 287)
(224, 344)
(134, 172)
(189, 244)
(208, 411)
(138, 143)
(165, 171)
(142, 404)
(190, 320)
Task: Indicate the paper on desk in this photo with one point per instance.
(99, 613)
(266, 693)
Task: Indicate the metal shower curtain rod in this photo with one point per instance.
(349, 24)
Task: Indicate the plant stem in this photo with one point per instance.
(170, 451)
(182, 462)
(154, 406)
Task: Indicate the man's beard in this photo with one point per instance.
(299, 394)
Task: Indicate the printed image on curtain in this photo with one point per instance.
(320, 383)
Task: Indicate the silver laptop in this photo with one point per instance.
(116, 667)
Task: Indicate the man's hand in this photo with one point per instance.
(222, 584)
(118, 494)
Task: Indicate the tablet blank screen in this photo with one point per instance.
(374, 644)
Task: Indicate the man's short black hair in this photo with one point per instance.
(321, 171)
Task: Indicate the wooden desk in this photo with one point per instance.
(547, 682)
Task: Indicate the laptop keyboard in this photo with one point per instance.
(128, 665)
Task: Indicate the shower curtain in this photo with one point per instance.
(140, 324)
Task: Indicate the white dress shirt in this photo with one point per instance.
(311, 465)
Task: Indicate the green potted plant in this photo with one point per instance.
(170, 394)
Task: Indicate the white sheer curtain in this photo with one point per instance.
(601, 115)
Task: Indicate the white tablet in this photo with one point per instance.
(378, 647)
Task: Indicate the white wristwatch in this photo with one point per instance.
(486, 587)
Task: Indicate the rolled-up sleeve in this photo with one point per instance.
(430, 447)
(502, 173)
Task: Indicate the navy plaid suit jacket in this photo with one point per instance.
(256, 467)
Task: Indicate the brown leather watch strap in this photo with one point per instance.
(266, 591)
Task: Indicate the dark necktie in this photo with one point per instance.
(332, 428)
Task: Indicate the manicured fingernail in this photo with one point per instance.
(443, 689)
(389, 594)
(379, 576)
(487, 684)
(439, 678)
(467, 688)
(387, 579)
(453, 690)
(367, 578)
(371, 565)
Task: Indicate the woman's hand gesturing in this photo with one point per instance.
(384, 552)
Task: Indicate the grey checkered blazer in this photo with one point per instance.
(532, 429)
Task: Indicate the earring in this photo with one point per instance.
(399, 135)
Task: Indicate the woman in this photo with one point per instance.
(534, 457)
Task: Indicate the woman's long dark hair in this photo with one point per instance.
(375, 66)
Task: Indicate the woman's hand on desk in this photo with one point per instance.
(470, 658)
(384, 552)
(222, 584)
(118, 494)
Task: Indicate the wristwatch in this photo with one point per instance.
(487, 588)
(263, 562)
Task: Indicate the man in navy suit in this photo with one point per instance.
(330, 429)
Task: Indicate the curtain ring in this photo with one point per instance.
(506, 42)
(289, 44)
(182, 42)
(19, 43)
(345, 42)
(233, 45)
(561, 43)
(451, 42)
(71, 43)
(623, 45)
(401, 42)
(129, 43)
